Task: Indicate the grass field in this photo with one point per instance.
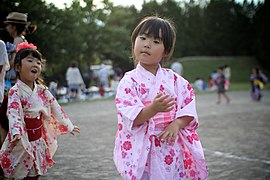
(203, 66)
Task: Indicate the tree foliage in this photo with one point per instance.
(92, 33)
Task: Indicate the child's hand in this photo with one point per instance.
(163, 103)
(169, 133)
(15, 139)
(75, 130)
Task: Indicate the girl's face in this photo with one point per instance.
(29, 70)
(148, 51)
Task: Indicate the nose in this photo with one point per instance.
(147, 44)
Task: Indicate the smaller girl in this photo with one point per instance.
(35, 119)
(157, 118)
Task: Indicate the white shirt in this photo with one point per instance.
(73, 76)
(3, 62)
(177, 67)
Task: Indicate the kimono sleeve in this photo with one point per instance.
(14, 112)
(128, 103)
(63, 123)
(186, 102)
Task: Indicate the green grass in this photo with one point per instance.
(202, 67)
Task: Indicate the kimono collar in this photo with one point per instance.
(26, 88)
(148, 74)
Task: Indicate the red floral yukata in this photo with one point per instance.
(138, 153)
(32, 156)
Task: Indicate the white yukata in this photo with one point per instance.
(138, 153)
(35, 156)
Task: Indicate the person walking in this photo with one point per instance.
(157, 118)
(220, 83)
(35, 120)
(74, 81)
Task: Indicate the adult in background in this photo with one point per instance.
(103, 75)
(177, 67)
(74, 81)
(17, 26)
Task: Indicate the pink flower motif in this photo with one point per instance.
(133, 80)
(172, 152)
(124, 154)
(187, 100)
(25, 45)
(133, 178)
(192, 173)
(120, 126)
(190, 139)
(151, 137)
(161, 88)
(128, 90)
(65, 115)
(181, 174)
(195, 137)
(157, 142)
(127, 145)
(14, 105)
(143, 90)
(127, 103)
(117, 101)
(168, 159)
(5, 162)
(130, 172)
(187, 163)
(62, 128)
(128, 136)
(42, 95)
(11, 92)
(189, 86)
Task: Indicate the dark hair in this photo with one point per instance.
(151, 26)
(23, 53)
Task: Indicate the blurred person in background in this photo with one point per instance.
(258, 81)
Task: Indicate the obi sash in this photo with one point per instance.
(34, 128)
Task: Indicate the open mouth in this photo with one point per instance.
(34, 71)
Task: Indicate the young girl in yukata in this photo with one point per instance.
(35, 119)
(157, 119)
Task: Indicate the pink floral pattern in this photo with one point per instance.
(23, 102)
(135, 145)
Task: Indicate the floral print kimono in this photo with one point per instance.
(35, 156)
(138, 153)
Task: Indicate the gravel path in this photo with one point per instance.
(235, 138)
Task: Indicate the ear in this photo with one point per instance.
(17, 68)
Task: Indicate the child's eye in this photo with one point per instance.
(142, 37)
(29, 60)
(39, 62)
(156, 41)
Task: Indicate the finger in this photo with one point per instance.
(163, 98)
(163, 136)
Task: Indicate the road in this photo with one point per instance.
(235, 138)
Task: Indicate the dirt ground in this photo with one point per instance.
(235, 138)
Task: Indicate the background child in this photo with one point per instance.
(35, 118)
(220, 82)
(258, 81)
(157, 118)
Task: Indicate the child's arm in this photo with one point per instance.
(170, 132)
(161, 103)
